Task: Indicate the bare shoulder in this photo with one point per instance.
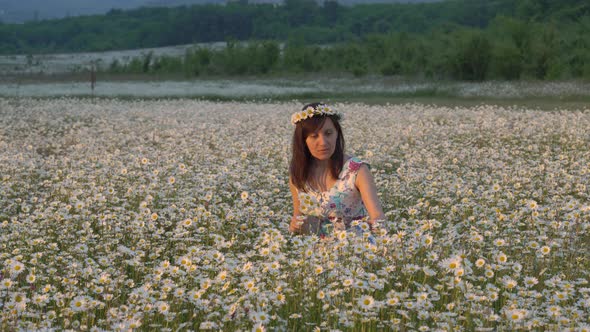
(365, 167)
(364, 170)
(364, 177)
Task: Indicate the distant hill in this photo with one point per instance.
(452, 39)
(297, 21)
(168, 3)
(19, 11)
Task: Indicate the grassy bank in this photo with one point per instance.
(538, 103)
(303, 88)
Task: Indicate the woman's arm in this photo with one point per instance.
(366, 186)
(295, 225)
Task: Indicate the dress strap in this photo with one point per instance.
(355, 163)
(352, 167)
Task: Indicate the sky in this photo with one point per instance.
(18, 11)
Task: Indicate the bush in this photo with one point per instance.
(472, 56)
(115, 67)
(391, 67)
(167, 64)
(196, 61)
(302, 58)
(506, 61)
(263, 57)
(359, 70)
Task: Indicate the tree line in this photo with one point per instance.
(462, 39)
(507, 49)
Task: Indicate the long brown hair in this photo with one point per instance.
(300, 168)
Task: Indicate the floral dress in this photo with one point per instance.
(338, 207)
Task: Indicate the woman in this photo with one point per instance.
(331, 190)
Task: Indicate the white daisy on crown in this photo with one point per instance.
(320, 109)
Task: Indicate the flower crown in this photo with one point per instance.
(320, 109)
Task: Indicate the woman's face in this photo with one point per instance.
(322, 144)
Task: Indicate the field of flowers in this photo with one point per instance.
(173, 214)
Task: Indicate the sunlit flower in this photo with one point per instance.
(207, 325)
(162, 307)
(320, 295)
(31, 278)
(318, 269)
(499, 242)
(16, 268)
(560, 296)
(451, 264)
(530, 281)
(250, 285)
(392, 301)
(258, 328)
(260, 317)
(5, 284)
(515, 315)
(427, 240)
(366, 302)
(480, 262)
(532, 205)
(79, 303)
(280, 298)
(510, 283)
(554, 310)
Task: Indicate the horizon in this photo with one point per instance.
(13, 12)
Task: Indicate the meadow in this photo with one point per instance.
(172, 215)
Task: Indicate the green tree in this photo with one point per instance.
(300, 12)
(514, 48)
(544, 53)
(506, 60)
(330, 12)
(297, 57)
(234, 61)
(269, 56)
(197, 61)
(472, 56)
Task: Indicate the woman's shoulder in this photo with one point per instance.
(354, 163)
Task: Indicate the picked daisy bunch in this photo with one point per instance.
(309, 205)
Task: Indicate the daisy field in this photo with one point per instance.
(172, 215)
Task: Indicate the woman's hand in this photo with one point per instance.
(296, 225)
(304, 225)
